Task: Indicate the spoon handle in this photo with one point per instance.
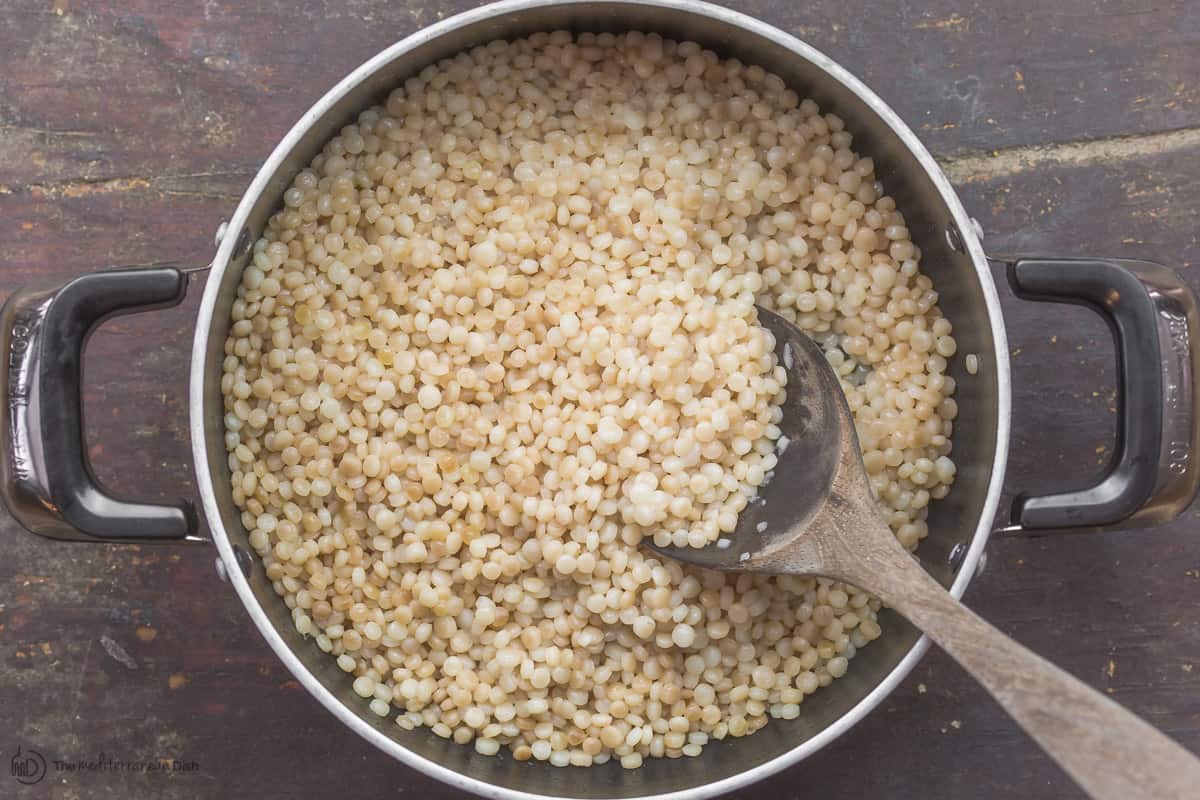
(1109, 751)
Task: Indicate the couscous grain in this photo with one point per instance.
(503, 329)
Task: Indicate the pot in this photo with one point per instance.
(49, 487)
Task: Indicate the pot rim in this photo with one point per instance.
(971, 245)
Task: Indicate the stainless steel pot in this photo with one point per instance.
(48, 484)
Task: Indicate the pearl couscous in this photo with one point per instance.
(502, 330)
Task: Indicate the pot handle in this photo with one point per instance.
(1153, 316)
(46, 479)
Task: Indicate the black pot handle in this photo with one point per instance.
(46, 479)
(1154, 473)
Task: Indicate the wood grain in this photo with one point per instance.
(127, 130)
(1109, 751)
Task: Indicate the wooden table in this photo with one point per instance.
(128, 130)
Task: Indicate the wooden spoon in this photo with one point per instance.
(818, 517)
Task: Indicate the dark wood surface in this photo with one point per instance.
(127, 131)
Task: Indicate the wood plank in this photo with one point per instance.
(108, 155)
(149, 91)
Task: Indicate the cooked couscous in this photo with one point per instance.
(503, 329)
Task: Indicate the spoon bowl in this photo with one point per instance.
(810, 445)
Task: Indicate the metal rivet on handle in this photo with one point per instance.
(221, 229)
(244, 243)
(954, 238)
(221, 573)
(245, 562)
(957, 554)
(978, 228)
